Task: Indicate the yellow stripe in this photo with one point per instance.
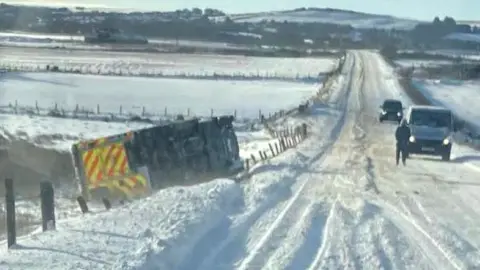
(115, 160)
(141, 179)
(122, 156)
(125, 190)
(109, 162)
(91, 171)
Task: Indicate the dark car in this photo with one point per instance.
(391, 110)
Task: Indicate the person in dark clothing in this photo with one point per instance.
(402, 135)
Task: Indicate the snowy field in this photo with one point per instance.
(465, 54)
(355, 19)
(25, 39)
(192, 65)
(158, 96)
(178, 96)
(421, 63)
(462, 97)
(336, 202)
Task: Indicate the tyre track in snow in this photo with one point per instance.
(295, 211)
(360, 216)
(269, 241)
(411, 229)
(414, 220)
(373, 239)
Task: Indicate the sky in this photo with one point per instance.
(415, 9)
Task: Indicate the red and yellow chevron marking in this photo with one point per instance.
(105, 162)
(91, 164)
(115, 161)
(88, 144)
(132, 185)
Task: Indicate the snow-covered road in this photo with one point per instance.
(351, 207)
(338, 201)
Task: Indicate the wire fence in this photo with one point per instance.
(149, 72)
(139, 114)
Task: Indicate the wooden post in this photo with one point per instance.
(121, 109)
(276, 148)
(10, 208)
(98, 108)
(48, 206)
(261, 154)
(106, 203)
(284, 144)
(83, 204)
(271, 149)
(253, 158)
(143, 111)
(247, 164)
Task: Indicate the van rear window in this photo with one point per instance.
(392, 105)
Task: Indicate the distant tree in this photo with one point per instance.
(197, 12)
(449, 21)
(389, 51)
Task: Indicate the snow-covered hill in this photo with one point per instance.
(334, 16)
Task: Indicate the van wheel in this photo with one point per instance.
(446, 156)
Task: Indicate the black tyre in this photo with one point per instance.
(446, 156)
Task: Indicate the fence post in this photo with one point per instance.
(271, 149)
(261, 154)
(276, 148)
(106, 203)
(48, 206)
(283, 144)
(98, 108)
(253, 158)
(121, 109)
(10, 208)
(83, 204)
(143, 111)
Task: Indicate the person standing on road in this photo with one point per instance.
(402, 135)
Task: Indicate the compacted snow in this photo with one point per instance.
(338, 201)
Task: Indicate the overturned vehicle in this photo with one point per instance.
(133, 164)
